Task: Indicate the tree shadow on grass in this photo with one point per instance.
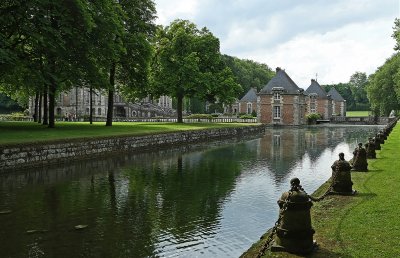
(316, 253)
(324, 252)
(364, 195)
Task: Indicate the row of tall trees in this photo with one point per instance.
(49, 46)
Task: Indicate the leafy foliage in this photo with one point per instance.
(187, 63)
(354, 91)
(248, 73)
(7, 105)
(313, 117)
(358, 82)
(384, 87)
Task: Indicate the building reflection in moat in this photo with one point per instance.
(195, 200)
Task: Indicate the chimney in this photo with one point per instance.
(312, 80)
(278, 69)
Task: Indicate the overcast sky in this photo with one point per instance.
(331, 38)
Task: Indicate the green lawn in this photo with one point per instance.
(364, 225)
(25, 132)
(358, 113)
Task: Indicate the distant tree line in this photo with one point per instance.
(249, 74)
(354, 92)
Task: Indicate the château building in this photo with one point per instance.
(318, 100)
(338, 103)
(248, 103)
(76, 104)
(281, 101)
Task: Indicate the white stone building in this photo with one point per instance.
(76, 104)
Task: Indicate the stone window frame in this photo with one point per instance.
(313, 103)
(249, 107)
(277, 112)
(313, 108)
(277, 96)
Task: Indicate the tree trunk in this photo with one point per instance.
(45, 107)
(111, 96)
(110, 107)
(52, 96)
(39, 120)
(91, 105)
(76, 105)
(35, 115)
(180, 108)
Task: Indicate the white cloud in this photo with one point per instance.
(168, 11)
(331, 38)
(335, 55)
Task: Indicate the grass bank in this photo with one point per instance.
(364, 225)
(28, 132)
(358, 113)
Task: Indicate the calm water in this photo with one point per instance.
(199, 201)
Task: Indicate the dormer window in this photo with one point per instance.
(277, 92)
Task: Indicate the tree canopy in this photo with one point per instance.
(249, 74)
(50, 46)
(187, 63)
(354, 91)
(384, 87)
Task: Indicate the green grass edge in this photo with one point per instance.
(29, 133)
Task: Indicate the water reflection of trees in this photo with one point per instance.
(131, 203)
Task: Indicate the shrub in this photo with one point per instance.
(312, 118)
(200, 116)
(246, 116)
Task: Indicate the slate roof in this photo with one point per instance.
(282, 80)
(251, 96)
(316, 89)
(335, 95)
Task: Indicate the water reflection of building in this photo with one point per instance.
(282, 149)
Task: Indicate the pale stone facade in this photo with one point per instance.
(76, 104)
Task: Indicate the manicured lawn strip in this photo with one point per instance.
(28, 132)
(358, 113)
(364, 225)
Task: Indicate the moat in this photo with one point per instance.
(206, 200)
